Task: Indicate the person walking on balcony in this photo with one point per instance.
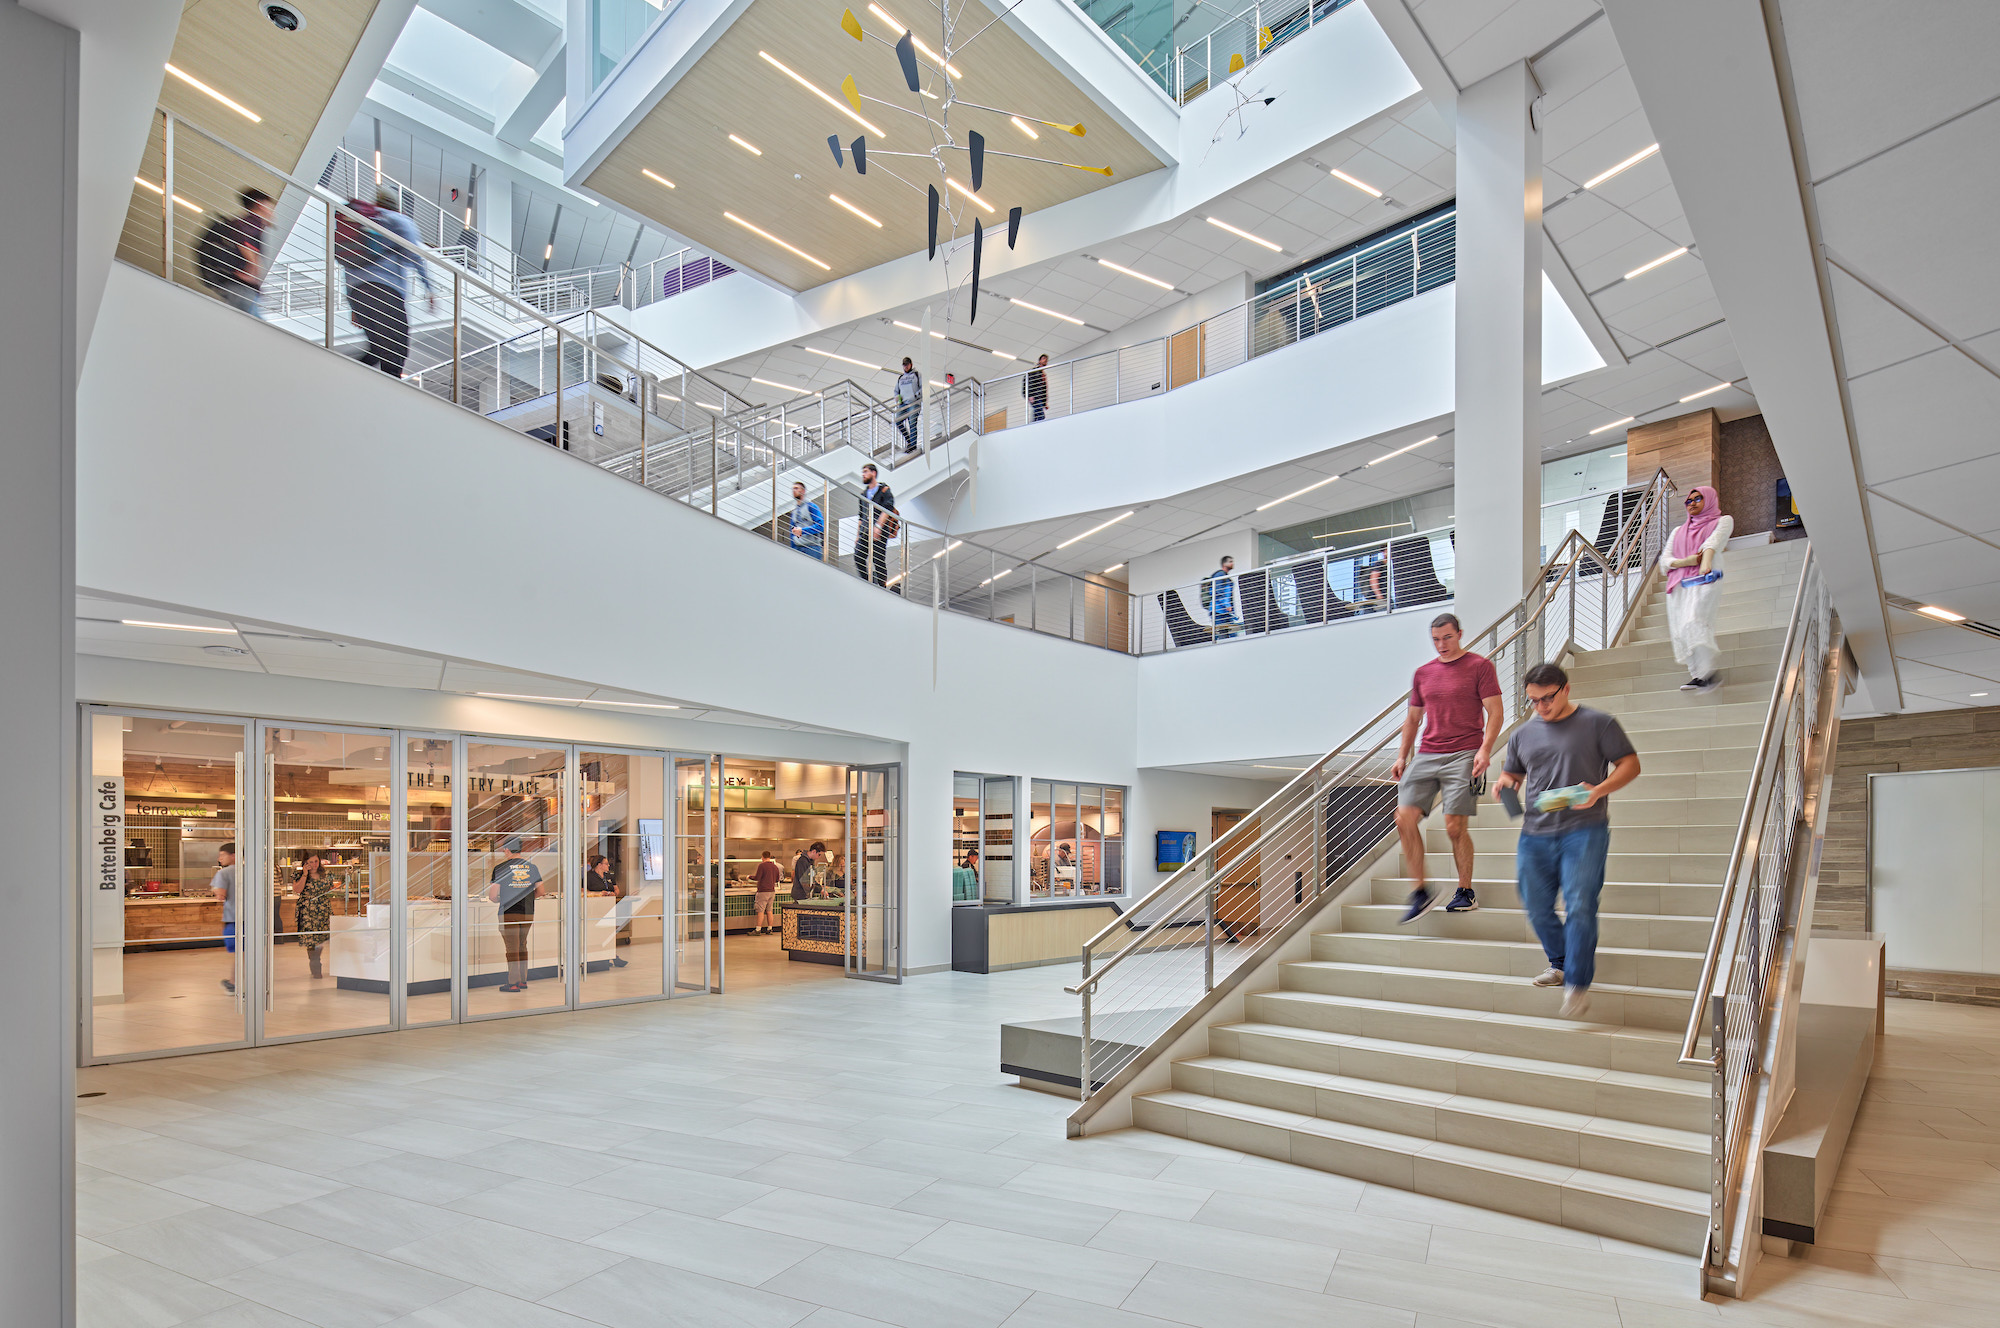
(1456, 698)
(229, 255)
(1218, 596)
(808, 523)
(876, 525)
(909, 404)
(1693, 564)
(1036, 388)
(378, 281)
(1567, 762)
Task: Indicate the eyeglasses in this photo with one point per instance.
(1539, 701)
(1691, 500)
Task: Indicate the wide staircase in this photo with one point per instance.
(1423, 1057)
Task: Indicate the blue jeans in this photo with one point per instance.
(1571, 863)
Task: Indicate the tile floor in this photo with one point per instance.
(837, 1154)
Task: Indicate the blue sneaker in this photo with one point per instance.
(1464, 901)
(1421, 902)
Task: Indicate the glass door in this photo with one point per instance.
(517, 881)
(431, 927)
(622, 929)
(325, 893)
(874, 915)
(696, 863)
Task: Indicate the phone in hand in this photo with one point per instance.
(1510, 799)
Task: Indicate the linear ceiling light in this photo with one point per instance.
(996, 576)
(946, 549)
(657, 178)
(576, 700)
(758, 230)
(1109, 570)
(746, 145)
(148, 184)
(1706, 391)
(1050, 312)
(1254, 239)
(815, 350)
(821, 93)
(1025, 127)
(1005, 356)
(968, 193)
(1648, 267)
(1621, 167)
(769, 382)
(1975, 693)
(1614, 424)
(1105, 262)
(1104, 525)
(912, 327)
(1411, 447)
(1367, 189)
(176, 627)
(1928, 610)
(1296, 492)
(883, 14)
(200, 86)
(855, 210)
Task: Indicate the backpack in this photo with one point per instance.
(355, 245)
(216, 256)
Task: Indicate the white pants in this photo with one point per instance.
(1691, 621)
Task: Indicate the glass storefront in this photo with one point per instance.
(982, 839)
(252, 881)
(1076, 840)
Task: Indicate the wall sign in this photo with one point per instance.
(1172, 849)
(107, 805)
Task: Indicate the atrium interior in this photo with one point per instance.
(963, 663)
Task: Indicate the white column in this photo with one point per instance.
(1497, 448)
(38, 160)
(494, 217)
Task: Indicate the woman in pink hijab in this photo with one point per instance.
(1693, 565)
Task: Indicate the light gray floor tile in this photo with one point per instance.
(107, 1203)
(832, 1221)
(905, 1294)
(314, 1152)
(1265, 1178)
(425, 1179)
(676, 1188)
(1046, 1311)
(844, 1180)
(211, 1243)
(250, 1187)
(124, 1291)
(154, 1160)
(342, 1288)
(1215, 1300)
(554, 1210)
(366, 1219)
(505, 1258)
(1109, 1190)
(941, 1162)
(694, 1152)
(640, 1294)
(1084, 1154)
(1440, 1287)
(477, 1307)
(557, 1164)
(1010, 1210)
(706, 1245)
(1098, 1276)
(246, 1314)
(826, 1318)
(430, 1138)
(1261, 1258)
(1321, 1226)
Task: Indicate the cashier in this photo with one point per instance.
(599, 880)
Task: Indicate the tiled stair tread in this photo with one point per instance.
(1542, 1023)
(1695, 1085)
(1472, 942)
(1648, 1192)
(1490, 910)
(1497, 979)
(1658, 1136)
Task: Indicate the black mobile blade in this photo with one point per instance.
(978, 248)
(977, 141)
(906, 51)
(833, 141)
(934, 210)
(860, 146)
(1013, 226)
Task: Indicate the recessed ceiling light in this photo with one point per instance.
(176, 627)
(946, 549)
(1109, 570)
(1399, 451)
(1296, 492)
(1254, 239)
(1942, 615)
(760, 231)
(1367, 189)
(1102, 525)
(815, 350)
(1614, 424)
(1005, 356)
(1050, 312)
(746, 145)
(657, 178)
(1255, 766)
(200, 86)
(576, 700)
(968, 193)
(1624, 165)
(996, 576)
(819, 92)
(1648, 267)
(144, 183)
(855, 210)
(1705, 392)
(548, 251)
(1976, 693)
(1025, 127)
(918, 42)
(912, 327)
(1115, 267)
(787, 387)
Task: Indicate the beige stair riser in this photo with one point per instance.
(1610, 1002)
(1650, 741)
(1677, 899)
(1544, 1134)
(1669, 1102)
(1691, 718)
(1673, 868)
(1769, 637)
(1490, 922)
(1668, 698)
(1639, 804)
(1657, 760)
(1519, 958)
(1608, 691)
(1715, 838)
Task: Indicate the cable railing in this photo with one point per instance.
(1318, 300)
(1146, 976)
(1238, 41)
(1734, 1000)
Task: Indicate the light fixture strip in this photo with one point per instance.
(1109, 570)
(968, 193)
(1050, 312)
(1941, 614)
(855, 210)
(1105, 525)
(1298, 492)
(1644, 268)
(235, 106)
(746, 145)
(148, 184)
(786, 387)
(1115, 267)
(1025, 127)
(918, 42)
(1604, 428)
(760, 231)
(1367, 189)
(176, 627)
(1705, 392)
(576, 700)
(821, 93)
(815, 350)
(1621, 167)
(1408, 447)
(656, 177)
(1240, 232)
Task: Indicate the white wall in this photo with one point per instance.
(1203, 304)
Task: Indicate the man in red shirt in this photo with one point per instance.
(1456, 697)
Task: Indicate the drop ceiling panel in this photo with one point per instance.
(1934, 572)
(1961, 494)
(1873, 332)
(785, 191)
(1935, 410)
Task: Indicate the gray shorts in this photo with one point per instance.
(1430, 774)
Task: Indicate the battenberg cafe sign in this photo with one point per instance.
(107, 805)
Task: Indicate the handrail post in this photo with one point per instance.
(331, 221)
(560, 441)
(1087, 991)
(829, 534)
(1718, 1154)
(457, 332)
(1208, 937)
(714, 460)
(167, 195)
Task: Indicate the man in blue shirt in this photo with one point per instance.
(808, 523)
(378, 287)
(223, 886)
(1218, 596)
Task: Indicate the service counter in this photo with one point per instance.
(359, 948)
(991, 938)
(815, 931)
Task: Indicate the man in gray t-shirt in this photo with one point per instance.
(1584, 754)
(223, 886)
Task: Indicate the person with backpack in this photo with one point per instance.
(909, 404)
(876, 526)
(1218, 596)
(808, 523)
(1035, 387)
(229, 254)
(378, 277)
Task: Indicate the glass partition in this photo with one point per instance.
(623, 799)
(616, 26)
(697, 964)
(997, 867)
(966, 825)
(1076, 837)
(429, 932)
(514, 935)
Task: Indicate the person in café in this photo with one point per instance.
(599, 880)
(315, 908)
(516, 884)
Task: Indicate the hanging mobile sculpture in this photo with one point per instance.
(939, 205)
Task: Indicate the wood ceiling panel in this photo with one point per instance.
(732, 90)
